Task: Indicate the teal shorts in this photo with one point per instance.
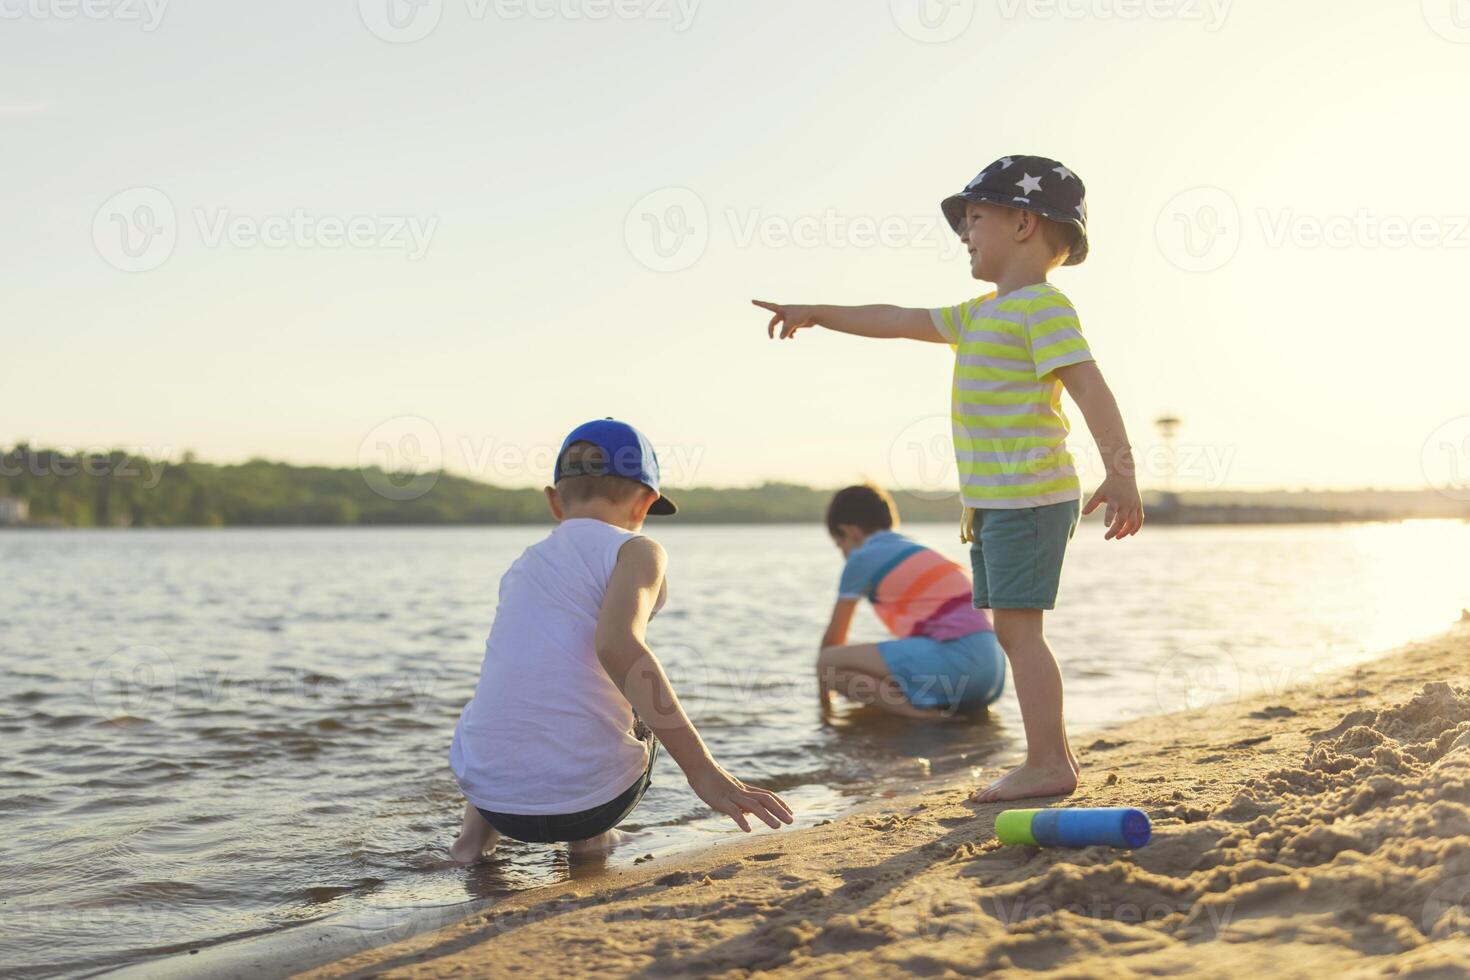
(966, 672)
(1017, 555)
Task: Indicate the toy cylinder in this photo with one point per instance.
(1117, 826)
(1014, 826)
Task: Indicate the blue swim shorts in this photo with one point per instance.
(966, 672)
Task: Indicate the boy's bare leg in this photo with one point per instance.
(884, 693)
(604, 841)
(859, 673)
(1050, 768)
(477, 839)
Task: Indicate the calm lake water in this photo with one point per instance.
(213, 735)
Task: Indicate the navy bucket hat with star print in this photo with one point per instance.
(1028, 183)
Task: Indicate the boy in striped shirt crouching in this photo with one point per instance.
(1016, 349)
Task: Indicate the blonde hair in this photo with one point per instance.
(584, 477)
(1061, 237)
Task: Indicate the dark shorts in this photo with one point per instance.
(551, 828)
(1017, 555)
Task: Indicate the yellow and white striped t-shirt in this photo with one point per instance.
(1009, 430)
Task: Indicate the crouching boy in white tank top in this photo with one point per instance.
(550, 748)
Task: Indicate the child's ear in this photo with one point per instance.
(553, 502)
(1027, 225)
(644, 505)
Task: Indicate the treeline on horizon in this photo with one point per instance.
(120, 489)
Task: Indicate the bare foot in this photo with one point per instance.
(464, 851)
(476, 840)
(600, 844)
(1027, 781)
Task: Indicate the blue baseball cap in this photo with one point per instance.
(627, 453)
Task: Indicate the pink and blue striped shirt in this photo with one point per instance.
(915, 590)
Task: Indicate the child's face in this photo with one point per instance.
(989, 238)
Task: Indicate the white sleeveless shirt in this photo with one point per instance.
(547, 731)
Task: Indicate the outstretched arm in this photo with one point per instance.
(621, 624)
(862, 321)
(841, 622)
(1119, 489)
(835, 636)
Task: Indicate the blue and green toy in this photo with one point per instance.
(1111, 826)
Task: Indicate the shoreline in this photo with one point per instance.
(1163, 520)
(351, 941)
(1328, 824)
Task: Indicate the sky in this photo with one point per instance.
(372, 231)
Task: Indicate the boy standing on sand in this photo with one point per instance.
(1016, 349)
(550, 748)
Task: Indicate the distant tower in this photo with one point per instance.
(1168, 426)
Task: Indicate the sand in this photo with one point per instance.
(1323, 830)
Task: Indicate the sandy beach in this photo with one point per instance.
(1322, 829)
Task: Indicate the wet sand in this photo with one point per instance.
(1323, 829)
